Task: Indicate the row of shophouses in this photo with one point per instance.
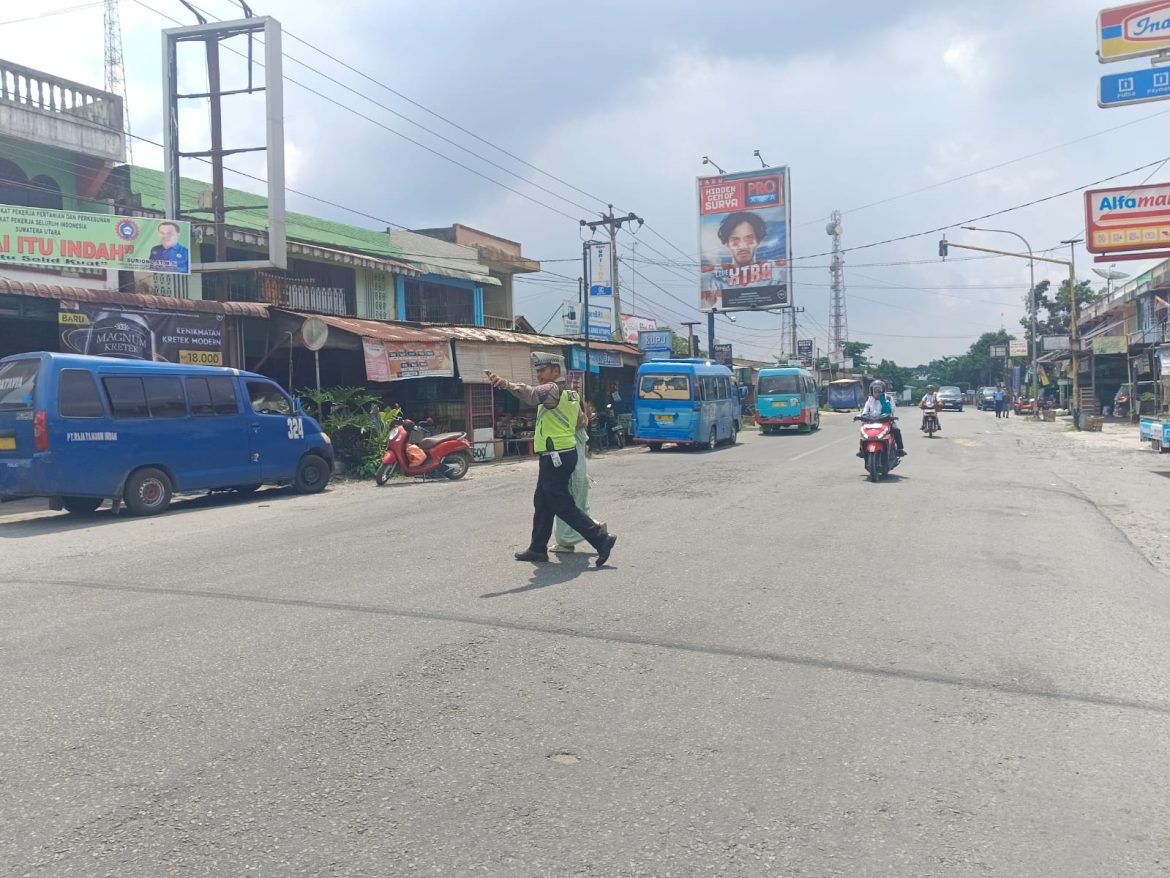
(418, 317)
(1125, 339)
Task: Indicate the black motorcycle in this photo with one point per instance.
(615, 433)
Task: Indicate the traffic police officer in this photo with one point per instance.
(558, 410)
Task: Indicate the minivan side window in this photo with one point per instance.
(199, 397)
(268, 399)
(127, 397)
(164, 396)
(223, 395)
(77, 395)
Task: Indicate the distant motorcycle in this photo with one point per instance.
(615, 433)
(878, 448)
(929, 421)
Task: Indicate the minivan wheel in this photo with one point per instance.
(148, 491)
(81, 505)
(713, 439)
(312, 475)
(734, 434)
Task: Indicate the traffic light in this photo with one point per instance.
(942, 248)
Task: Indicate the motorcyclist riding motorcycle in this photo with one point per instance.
(875, 407)
(931, 401)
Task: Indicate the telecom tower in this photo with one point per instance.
(116, 67)
(838, 318)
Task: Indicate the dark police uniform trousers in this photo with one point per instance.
(553, 500)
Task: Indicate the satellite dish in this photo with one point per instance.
(314, 333)
(833, 228)
(1110, 274)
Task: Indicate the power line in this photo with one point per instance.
(52, 13)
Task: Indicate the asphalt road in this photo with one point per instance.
(784, 670)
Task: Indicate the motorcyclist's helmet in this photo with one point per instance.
(933, 388)
(877, 387)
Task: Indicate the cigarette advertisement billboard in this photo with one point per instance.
(163, 337)
(745, 249)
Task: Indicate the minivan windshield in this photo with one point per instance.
(18, 380)
(770, 384)
(664, 387)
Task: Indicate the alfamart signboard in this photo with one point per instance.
(46, 238)
(1127, 218)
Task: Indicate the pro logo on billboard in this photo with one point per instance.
(743, 240)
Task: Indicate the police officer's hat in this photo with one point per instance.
(540, 359)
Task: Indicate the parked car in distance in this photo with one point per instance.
(951, 398)
(985, 399)
(1024, 406)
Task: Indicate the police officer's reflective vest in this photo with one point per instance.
(556, 429)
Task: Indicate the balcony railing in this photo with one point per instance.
(1159, 333)
(499, 322)
(300, 294)
(51, 94)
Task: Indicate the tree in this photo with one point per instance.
(896, 377)
(679, 345)
(1053, 312)
(855, 350)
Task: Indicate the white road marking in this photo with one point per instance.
(820, 448)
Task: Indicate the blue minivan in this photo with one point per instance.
(80, 430)
(686, 402)
(786, 396)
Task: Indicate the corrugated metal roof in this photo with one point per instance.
(370, 328)
(441, 257)
(386, 331)
(131, 300)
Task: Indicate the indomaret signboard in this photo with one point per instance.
(1127, 218)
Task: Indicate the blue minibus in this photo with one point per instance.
(80, 430)
(686, 402)
(787, 397)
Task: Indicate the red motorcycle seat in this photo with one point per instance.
(432, 441)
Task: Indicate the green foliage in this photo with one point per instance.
(897, 377)
(344, 413)
(855, 350)
(976, 368)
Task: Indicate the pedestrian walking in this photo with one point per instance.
(557, 419)
(565, 539)
(1007, 403)
(997, 397)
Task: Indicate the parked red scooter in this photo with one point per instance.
(447, 454)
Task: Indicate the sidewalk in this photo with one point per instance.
(1124, 479)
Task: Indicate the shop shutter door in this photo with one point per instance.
(513, 361)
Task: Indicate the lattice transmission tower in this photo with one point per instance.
(838, 316)
(116, 67)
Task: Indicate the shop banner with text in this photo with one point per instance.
(161, 336)
(64, 239)
(398, 360)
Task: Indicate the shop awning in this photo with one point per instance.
(139, 301)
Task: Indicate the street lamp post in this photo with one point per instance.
(1074, 325)
(1032, 308)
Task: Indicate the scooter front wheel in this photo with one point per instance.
(385, 471)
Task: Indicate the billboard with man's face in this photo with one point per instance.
(744, 247)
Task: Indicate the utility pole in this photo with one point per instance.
(613, 224)
(944, 245)
(585, 315)
(690, 325)
(1074, 336)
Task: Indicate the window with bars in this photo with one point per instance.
(439, 303)
(482, 406)
(376, 296)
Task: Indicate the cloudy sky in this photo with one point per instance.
(907, 116)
